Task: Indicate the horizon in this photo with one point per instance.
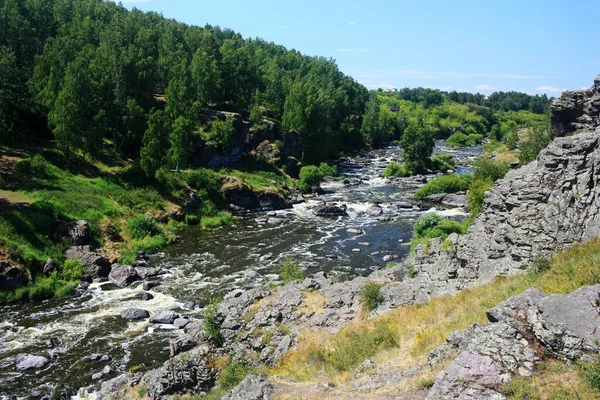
(471, 47)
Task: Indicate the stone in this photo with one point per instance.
(329, 210)
(145, 296)
(148, 285)
(123, 275)
(76, 232)
(164, 317)
(148, 272)
(354, 231)
(134, 314)
(448, 199)
(28, 362)
(11, 276)
(375, 211)
(95, 265)
(181, 344)
(252, 387)
(181, 323)
(50, 266)
(107, 370)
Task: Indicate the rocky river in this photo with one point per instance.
(85, 339)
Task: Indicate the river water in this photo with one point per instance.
(205, 263)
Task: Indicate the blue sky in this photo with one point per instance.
(481, 46)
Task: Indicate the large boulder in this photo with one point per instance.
(28, 362)
(134, 314)
(167, 317)
(11, 276)
(94, 264)
(330, 210)
(76, 232)
(576, 110)
(253, 387)
(242, 198)
(123, 275)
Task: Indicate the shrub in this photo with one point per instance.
(148, 244)
(371, 296)
(537, 140)
(191, 219)
(312, 175)
(476, 195)
(206, 182)
(442, 162)
(232, 374)
(143, 225)
(211, 329)
(221, 219)
(459, 139)
(291, 271)
(395, 169)
(72, 270)
(221, 133)
(432, 225)
(445, 184)
(486, 168)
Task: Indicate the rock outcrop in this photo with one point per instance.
(522, 329)
(76, 232)
(576, 110)
(94, 265)
(11, 276)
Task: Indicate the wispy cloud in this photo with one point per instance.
(401, 73)
(354, 50)
(484, 88)
(287, 26)
(352, 22)
(548, 88)
(131, 1)
(449, 87)
(374, 86)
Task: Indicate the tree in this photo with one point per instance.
(221, 133)
(154, 143)
(181, 137)
(371, 127)
(417, 145)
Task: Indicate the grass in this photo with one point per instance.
(291, 271)
(371, 296)
(414, 330)
(222, 218)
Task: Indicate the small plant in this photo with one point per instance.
(72, 270)
(143, 225)
(211, 325)
(395, 169)
(291, 271)
(232, 374)
(541, 265)
(371, 295)
(191, 219)
(485, 168)
(221, 219)
(411, 271)
(477, 194)
(445, 184)
(590, 371)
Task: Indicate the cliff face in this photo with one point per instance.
(576, 110)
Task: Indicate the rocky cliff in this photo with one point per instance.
(576, 110)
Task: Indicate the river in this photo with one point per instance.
(205, 263)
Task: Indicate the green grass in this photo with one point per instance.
(232, 374)
(42, 288)
(445, 184)
(291, 271)
(371, 296)
(222, 218)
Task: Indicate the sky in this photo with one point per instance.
(531, 46)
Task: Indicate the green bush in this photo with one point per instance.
(233, 374)
(221, 219)
(442, 162)
(371, 295)
(590, 371)
(432, 225)
(459, 139)
(291, 271)
(72, 270)
(476, 194)
(191, 219)
(312, 175)
(445, 184)
(206, 182)
(143, 225)
(211, 329)
(221, 134)
(395, 169)
(485, 168)
(537, 140)
(148, 244)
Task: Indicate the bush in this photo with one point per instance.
(191, 219)
(148, 244)
(221, 219)
(476, 195)
(211, 329)
(395, 169)
(442, 162)
(537, 140)
(291, 271)
(445, 184)
(233, 374)
(221, 134)
(459, 139)
(312, 175)
(432, 225)
(143, 225)
(206, 182)
(72, 270)
(485, 168)
(371, 296)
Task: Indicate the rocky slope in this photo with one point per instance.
(576, 110)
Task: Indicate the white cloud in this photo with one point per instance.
(375, 86)
(401, 73)
(584, 88)
(353, 50)
(286, 26)
(352, 22)
(483, 88)
(548, 88)
(449, 87)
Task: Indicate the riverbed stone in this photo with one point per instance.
(28, 362)
(11, 276)
(166, 317)
(76, 232)
(181, 323)
(123, 275)
(330, 210)
(134, 314)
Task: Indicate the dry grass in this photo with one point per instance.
(419, 328)
(312, 303)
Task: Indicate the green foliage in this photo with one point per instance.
(291, 271)
(221, 133)
(432, 225)
(395, 169)
(476, 194)
(590, 371)
(211, 329)
(459, 139)
(232, 374)
(417, 145)
(445, 184)
(147, 244)
(371, 295)
(312, 175)
(72, 270)
(221, 219)
(191, 219)
(181, 138)
(442, 162)
(154, 144)
(537, 140)
(143, 225)
(485, 168)
(41, 289)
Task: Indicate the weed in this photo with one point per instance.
(291, 271)
(371, 295)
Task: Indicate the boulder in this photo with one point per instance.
(94, 265)
(76, 232)
(374, 211)
(448, 199)
(252, 387)
(330, 210)
(145, 296)
(167, 317)
(123, 275)
(28, 362)
(50, 266)
(181, 323)
(134, 314)
(11, 276)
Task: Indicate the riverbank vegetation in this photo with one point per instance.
(408, 333)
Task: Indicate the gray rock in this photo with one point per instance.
(375, 211)
(50, 266)
(94, 265)
(144, 296)
(134, 314)
(181, 344)
(253, 387)
(150, 284)
(11, 276)
(181, 323)
(164, 317)
(448, 199)
(148, 272)
(123, 275)
(76, 232)
(107, 370)
(329, 210)
(27, 362)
